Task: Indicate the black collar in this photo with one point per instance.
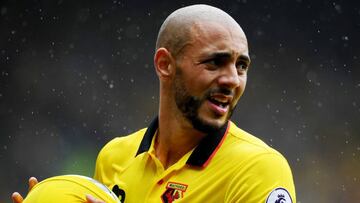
(201, 154)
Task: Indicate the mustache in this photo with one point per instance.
(220, 90)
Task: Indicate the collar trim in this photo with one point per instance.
(202, 154)
(208, 147)
(148, 136)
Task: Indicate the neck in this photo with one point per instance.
(175, 137)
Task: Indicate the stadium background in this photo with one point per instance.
(75, 74)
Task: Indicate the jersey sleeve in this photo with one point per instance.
(267, 178)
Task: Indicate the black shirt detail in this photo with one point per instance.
(201, 153)
(149, 134)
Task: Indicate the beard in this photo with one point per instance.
(189, 105)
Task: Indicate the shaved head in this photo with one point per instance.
(175, 32)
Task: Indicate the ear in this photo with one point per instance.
(163, 63)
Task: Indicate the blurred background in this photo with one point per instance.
(75, 74)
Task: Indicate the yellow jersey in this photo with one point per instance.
(229, 165)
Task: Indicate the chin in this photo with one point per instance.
(208, 125)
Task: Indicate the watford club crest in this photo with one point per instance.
(174, 191)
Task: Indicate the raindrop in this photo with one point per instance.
(104, 77)
(3, 11)
(319, 104)
(337, 8)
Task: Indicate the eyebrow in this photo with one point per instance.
(222, 54)
(245, 58)
(225, 54)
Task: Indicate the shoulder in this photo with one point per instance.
(252, 151)
(115, 156)
(120, 149)
(128, 141)
(247, 144)
(256, 164)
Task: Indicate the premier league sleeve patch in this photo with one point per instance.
(279, 195)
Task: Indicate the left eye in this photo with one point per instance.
(242, 66)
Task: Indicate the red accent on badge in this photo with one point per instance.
(173, 192)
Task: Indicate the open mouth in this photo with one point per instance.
(223, 103)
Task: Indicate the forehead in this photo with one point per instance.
(211, 37)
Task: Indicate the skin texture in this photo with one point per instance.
(201, 59)
(215, 77)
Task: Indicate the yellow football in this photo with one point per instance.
(69, 189)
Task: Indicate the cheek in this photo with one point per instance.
(240, 90)
(243, 83)
(197, 85)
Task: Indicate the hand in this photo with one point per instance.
(91, 199)
(17, 198)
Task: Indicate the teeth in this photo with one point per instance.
(220, 101)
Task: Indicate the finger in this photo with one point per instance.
(16, 197)
(32, 182)
(91, 199)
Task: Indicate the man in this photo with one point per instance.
(191, 152)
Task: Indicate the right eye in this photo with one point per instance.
(215, 62)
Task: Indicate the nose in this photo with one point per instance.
(230, 77)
